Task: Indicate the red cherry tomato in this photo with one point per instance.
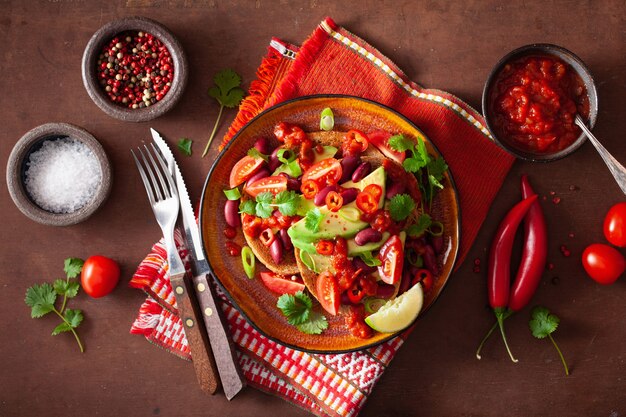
(273, 185)
(327, 172)
(615, 225)
(281, 284)
(380, 139)
(603, 263)
(99, 276)
(328, 292)
(392, 257)
(244, 169)
(334, 201)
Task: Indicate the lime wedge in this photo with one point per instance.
(399, 313)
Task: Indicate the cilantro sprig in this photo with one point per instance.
(298, 308)
(422, 163)
(286, 202)
(228, 93)
(542, 324)
(313, 219)
(41, 298)
(400, 206)
(423, 223)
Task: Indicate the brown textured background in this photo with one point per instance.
(446, 45)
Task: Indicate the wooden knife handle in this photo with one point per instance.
(222, 345)
(201, 354)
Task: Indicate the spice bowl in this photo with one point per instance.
(517, 97)
(155, 61)
(58, 165)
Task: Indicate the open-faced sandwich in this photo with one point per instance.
(344, 216)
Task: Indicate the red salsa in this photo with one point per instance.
(534, 102)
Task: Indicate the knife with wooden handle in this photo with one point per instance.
(221, 343)
(199, 345)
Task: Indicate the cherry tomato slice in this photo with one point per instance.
(328, 292)
(425, 277)
(366, 202)
(334, 201)
(325, 247)
(273, 185)
(99, 276)
(309, 189)
(380, 139)
(267, 237)
(244, 169)
(355, 142)
(327, 172)
(391, 257)
(615, 225)
(603, 263)
(281, 284)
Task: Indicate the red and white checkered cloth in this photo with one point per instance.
(333, 60)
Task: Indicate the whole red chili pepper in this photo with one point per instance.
(499, 272)
(534, 254)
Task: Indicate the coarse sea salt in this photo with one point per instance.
(63, 175)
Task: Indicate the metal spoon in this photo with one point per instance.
(617, 169)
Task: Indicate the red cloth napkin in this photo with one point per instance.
(334, 61)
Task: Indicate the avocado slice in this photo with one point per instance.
(354, 249)
(328, 152)
(316, 262)
(378, 177)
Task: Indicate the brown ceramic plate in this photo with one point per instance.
(250, 296)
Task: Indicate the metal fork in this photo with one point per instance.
(165, 204)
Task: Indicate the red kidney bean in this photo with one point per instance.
(231, 213)
(345, 300)
(348, 165)
(284, 236)
(273, 161)
(349, 195)
(263, 145)
(394, 189)
(361, 171)
(276, 250)
(360, 264)
(430, 260)
(367, 235)
(263, 172)
(320, 198)
(385, 290)
(292, 183)
(437, 242)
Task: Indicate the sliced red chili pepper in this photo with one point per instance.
(355, 142)
(267, 237)
(355, 293)
(334, 201)
(366, 202)
(375, 190)
(325, 247)
(309, 189)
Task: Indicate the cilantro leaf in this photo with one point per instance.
(73, 319)
(40, 298)
(421, 153)
(287, 202)
(400, 206)
(313, 219)
(254, 153)
(542, 323)
(437, 167)
(67, 288)
(316, 324)
(247, 207)
(400, 143)
(411, 165)
(263, 206)
(296, 307)
(73, 266)
(423, 223)
(184, 145)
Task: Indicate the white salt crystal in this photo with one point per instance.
(63, 175)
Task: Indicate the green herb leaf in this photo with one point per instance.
(247, 207)
(313, 219)
(423, 223)
(316, 324)
(184, 145)
(287, 202)
(400, 206)
(369, 259)
(542, 322)
(67, 288)
(437, 167)
(263, 206)
(400, 143)
(254, 153)
(73, 266)
(421, 153)
(226, 90)
(296, 307)
(73, 317)
(40, 298)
